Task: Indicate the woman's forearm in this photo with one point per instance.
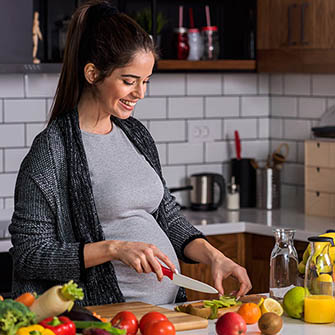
(200, 250)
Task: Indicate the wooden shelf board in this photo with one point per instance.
(221, 64)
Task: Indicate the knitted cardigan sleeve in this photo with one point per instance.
(38, 252)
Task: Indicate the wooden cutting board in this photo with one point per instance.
(181, 321)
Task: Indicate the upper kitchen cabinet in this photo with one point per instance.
(296, 36)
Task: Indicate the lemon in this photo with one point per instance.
(294, 302)
(260, 303)
(271, 305)
(325, 277)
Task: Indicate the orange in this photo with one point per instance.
(250, 312)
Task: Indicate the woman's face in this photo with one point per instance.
(119, 92)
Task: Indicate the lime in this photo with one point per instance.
(294, 302)
(271, 305)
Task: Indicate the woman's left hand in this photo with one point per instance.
(222, 267)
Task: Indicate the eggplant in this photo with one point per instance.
(95, 331)
(80, 313)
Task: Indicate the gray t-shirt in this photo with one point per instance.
(126, 191)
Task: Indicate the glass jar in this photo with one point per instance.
(211, 42)
(283, 264)
(319, 303)
(196, 44)
(182, 47)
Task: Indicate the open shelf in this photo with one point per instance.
(206, 65)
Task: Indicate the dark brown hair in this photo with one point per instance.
(97, 34)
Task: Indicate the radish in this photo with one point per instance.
(56, 300)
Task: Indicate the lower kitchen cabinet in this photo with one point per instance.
(249, 250)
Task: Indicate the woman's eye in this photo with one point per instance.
(129, 82)
(146, 82)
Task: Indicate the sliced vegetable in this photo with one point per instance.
(14, 315)
(35, 330)
(56, 300)
(223, 301)
(59, 325)
(27, 298)
(102, 325)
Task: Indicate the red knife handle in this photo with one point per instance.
(167, 272)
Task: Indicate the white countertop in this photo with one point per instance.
(221, 221)
(290, 327)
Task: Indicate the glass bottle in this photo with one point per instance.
(283, 264)
(182, 47)
(196, 44)
(319, 303)
(211, 42)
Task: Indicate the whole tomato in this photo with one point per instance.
(126, 320)
(162, 327)
(150, 317)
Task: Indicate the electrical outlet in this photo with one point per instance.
(203, 131)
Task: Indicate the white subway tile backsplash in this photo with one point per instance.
(13, 159)
(25, 110)
(297, 129)
(297, 84)
(255, 106)
(323, 84)
(311, 108)
(240, 84)
(151, 108)
(185, 153)
(264, 83)
(167, 84)
(293, 174)
(204, 84)
(32, 130)
(276, 128)
(264, 128)
(162, 152)
(174, 175)
(284, 106)
(9, 203)
(217, 152)
(7, 182)
(279, 146)
(331, 103)
(222, 106)
(204, 168)
(247, 128)
(11, 135)
(1, 160)
(11, 86)
(276, 84)
(204, 130)
(185, 108)
(41, 85)
(168, 131)
(258, 150)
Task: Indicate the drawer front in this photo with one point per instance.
(319, 204)
(319, 153)
(320, 179)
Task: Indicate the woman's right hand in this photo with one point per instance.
(142, 257)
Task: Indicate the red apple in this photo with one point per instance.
(231, 323)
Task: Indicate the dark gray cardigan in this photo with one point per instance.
(55, 213)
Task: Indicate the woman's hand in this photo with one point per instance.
(222, 267)
(141, 256)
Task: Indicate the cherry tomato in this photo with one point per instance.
(150, 317)
(126, 320)
(162, 327)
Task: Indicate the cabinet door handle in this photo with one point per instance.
(289, 25)
(302, 26)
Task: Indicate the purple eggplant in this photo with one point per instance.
(95, 331)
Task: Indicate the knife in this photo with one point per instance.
(187, 282)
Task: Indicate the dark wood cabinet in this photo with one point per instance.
(249, 250)
(296, 36)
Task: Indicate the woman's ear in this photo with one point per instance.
(91, 73)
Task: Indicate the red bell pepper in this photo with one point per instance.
(61, 325)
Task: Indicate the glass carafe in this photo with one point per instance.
(283, 264)
(319, 303)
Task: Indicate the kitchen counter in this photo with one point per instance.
(221, 221)
(290, 327)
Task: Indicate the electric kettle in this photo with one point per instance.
(204, 193)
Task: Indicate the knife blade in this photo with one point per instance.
(187, 282)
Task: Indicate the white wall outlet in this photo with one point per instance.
(204, 130)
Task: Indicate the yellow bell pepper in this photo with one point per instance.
(34, 330)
